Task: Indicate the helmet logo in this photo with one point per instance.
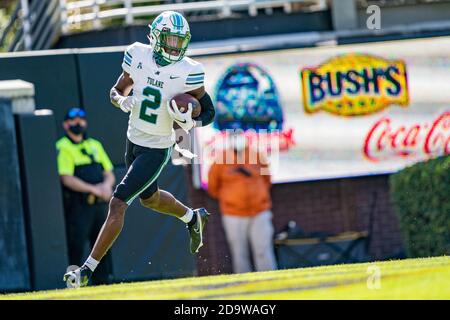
(156, 21)
(177, 21)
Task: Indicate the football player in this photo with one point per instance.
(154, 73)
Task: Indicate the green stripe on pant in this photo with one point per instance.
(153, 178)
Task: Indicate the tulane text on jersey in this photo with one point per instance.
(153, 86)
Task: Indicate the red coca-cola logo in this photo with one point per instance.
(386, 140)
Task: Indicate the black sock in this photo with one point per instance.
(193, 220)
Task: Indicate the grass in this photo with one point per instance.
(427, 278)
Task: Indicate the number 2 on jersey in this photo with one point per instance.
(153, 103)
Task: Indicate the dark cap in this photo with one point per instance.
(75, 112)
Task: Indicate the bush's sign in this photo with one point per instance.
(336, 111)
(354, 84)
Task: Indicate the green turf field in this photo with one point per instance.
(400, 279)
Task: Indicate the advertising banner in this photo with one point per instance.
(333, 112)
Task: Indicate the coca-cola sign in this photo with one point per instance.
(388, 138)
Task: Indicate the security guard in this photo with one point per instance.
(87, 179)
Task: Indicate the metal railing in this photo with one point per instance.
(34, 25)
(8, 33)
(37, 24)
(91, 14)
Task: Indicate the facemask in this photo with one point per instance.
(77, 129)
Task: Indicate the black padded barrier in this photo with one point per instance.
(54, 76)
(42, 199)
(14, 272)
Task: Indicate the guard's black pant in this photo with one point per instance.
(83, 223)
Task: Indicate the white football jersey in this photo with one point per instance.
(150, 124)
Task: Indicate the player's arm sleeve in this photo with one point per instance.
(208, 112)
(104, 159)
(195, 80)
(66, 164)
(128, 59)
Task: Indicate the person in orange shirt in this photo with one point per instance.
(239, 179)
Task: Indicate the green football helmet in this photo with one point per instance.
(169, 37)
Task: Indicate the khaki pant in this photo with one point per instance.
(256, 233)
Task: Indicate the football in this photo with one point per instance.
(183, 99)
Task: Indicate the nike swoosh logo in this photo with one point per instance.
(182, 121)
(172, 77)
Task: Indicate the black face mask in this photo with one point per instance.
(77, 129)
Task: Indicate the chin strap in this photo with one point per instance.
(160, 60)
